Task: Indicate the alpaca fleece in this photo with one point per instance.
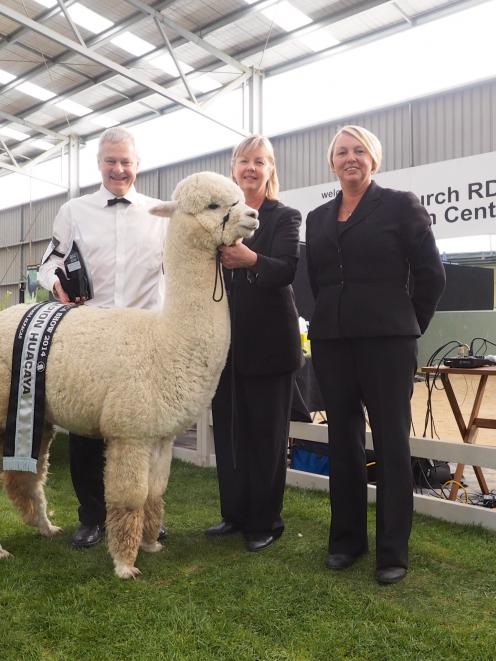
(136, 377)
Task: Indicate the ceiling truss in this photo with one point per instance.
(158, 14)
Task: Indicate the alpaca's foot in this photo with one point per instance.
(153, 547)
(49, 530)
(126, 571)
(4, 553)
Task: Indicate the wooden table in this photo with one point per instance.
(468, 431)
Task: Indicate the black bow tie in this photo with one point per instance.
(116, 200)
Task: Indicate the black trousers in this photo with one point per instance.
(377, 373)
(87, 462)
(251, 448)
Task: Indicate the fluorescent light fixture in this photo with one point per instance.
(319, 40)
(88, 19)
(167, 64)
(132, 44)
(286, 16)
(73, 108)
(42, 144)
(47, 3)
(250, 2)
(204, 83)
(35, 90)
(106, 121)
(5, 77)
(12, 133)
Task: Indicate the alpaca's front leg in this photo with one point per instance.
(3, 553)
(26, 491)
(160, 460)
(126, 489)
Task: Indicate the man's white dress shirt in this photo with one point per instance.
(122, 247)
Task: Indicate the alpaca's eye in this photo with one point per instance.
(213, 206)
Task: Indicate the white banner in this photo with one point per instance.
(460, 195)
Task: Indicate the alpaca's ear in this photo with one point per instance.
(165, 209)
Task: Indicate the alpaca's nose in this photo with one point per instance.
(253, 213)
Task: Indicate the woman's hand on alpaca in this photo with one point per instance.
(237, 256)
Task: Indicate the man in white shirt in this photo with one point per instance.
(122, 246)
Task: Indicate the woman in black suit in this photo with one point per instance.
(376, 276)
(251, 407)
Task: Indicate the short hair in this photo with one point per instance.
(252, 142)
(115, 135)
(369, 141)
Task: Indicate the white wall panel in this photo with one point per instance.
(10, 226)
(10, 266)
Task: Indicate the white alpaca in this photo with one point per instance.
(136, 377)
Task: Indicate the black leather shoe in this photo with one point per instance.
(222, 528)
(260, 542)
(162, 534)
(87, 536)
(340, 560)
(388, 575)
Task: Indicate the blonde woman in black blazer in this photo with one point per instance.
(252, 405)
(376, 276)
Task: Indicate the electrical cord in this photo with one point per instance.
(432, 381)
(483, 347)
(459, 485)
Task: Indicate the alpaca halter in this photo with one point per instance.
(218, 275)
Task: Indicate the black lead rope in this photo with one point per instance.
(218, 274)
(218, 278)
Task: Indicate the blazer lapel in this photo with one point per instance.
(369, 202)
(327, 214)
(267, 207)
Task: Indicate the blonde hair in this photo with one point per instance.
(252, 142)
(368, 140)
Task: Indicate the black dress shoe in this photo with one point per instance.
(388, 575)
(222, 528)
(162, 534)
(340, 560)
(260, 542)
(87, 536)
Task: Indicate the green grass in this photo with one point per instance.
(204, 599)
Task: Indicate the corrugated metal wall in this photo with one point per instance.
(450, 125)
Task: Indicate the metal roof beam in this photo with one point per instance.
(6, 40)
(205, 100)
(30, 125)
(24, 170)
(8, 152)
(106, 62)
(164, 36)
(46, 154)
(72, 25)
(94, 42)
(104, 37)
(188, 35)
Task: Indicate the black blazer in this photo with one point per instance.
(264, 321)
(360, 272)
